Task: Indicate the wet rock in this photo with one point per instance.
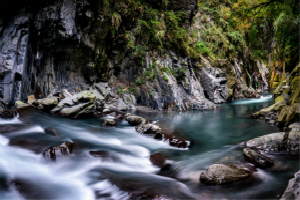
(53, 152)
(157, 159)
(109, 122)
(74, 109)
(20, 105)
(35, 146)
(270, 142)
(280, 167)
(178, 143)
(87, 112)
(293, 189)
(258, 159)
(40, 107)
(105, 155)
(158, 136)
(51, 131)
(116, 115)
(48, 103)
(135, 120)
(221, 174)
(31, 99)
(148, 129)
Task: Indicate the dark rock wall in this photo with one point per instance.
(68, 44)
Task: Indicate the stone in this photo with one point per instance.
(33, 145)
(148, 129)
(20, 105)
(157, 159)
(53, 152)
(135, 120)
(74, 109)
(178, 143)
(270, 142)
(221, 174)
(289, 114)
(108, 122)
(31, 99)
(293, 189)
(51, 131)
(258, 159)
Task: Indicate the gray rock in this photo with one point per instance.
(135, 120)
(258, 159)
(293, 189)
(221, 174)
(108, 122)
(148, 129)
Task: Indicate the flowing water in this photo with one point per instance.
(215, 137)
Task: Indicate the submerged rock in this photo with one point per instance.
(293, 189)
(65, 149)
(35, 146)
(221, 174)
(258, 159)
(157, 159)
(108, 122)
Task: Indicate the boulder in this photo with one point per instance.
(31, 99)
(53, 152)
(35, 146)
(157, 159)
(87, 112)
(135, 120)
(258, 159)
(178, 143)
(148, 129)
(293, 189)
(51, 131)
(74, 109)
(66, 94)
(85, 97)
(270, 142)
(221, 174)
(20, 105)
(108, 122)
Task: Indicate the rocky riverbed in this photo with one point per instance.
(137, 154)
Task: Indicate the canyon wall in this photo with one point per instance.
(70, 44)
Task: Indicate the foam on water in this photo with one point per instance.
(10, 121)
(33, 129)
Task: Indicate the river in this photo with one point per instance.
(215, 137)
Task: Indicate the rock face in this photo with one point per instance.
(293, 189)
(258, 159)
(48, 47)
(221, 174)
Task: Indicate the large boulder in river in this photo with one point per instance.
(278, 141)
(220, 174)
(293, 189)
(157, 159)
(108, 122)
(270, 142)
(148, 129)
(74, 109)
(53, 152)
(48, 103)
(136, 120)
(258, 159)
